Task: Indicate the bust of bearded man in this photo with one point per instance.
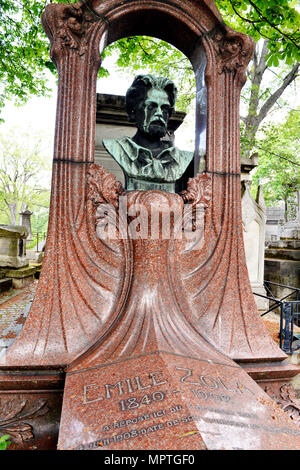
(147, 161)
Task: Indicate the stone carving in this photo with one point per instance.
(286, 400)
(233, 49)
(73, 27)
(14, 415)
(147, 161)
(103, 186)
(198, 190)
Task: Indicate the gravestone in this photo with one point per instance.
(153, 343)
(275, 219)
(254, 223)
(291, 229)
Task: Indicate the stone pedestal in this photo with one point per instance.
(21, 277)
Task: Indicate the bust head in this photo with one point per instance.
(149, 103)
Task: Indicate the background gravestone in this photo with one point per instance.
(78, 315)
(13, 246)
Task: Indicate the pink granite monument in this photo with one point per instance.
(158, 339)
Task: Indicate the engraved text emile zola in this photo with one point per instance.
(154, 379)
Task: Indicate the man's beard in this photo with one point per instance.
(156, 129)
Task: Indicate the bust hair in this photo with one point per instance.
(140, 87)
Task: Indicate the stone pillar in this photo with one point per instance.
(26, 222)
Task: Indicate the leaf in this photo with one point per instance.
(4, 442)
(11, 409)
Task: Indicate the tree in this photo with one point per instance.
(277, 22)
(262, 93)
(24, 174)
(279, 161)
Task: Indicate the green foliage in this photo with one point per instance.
(24, 52)
(159, 58)
(4, 442)
(24, 48)
(24, 176)
(275, 20)
(279, 161)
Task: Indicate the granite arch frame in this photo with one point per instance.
(63, 322)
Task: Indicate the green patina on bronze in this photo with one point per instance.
(147, 161)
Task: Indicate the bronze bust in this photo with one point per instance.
(147, 161)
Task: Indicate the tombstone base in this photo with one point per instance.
(21, 277)
(7, 261)
(164, 400)
(167, 402)
(276, 380)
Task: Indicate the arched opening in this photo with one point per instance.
(187, 125)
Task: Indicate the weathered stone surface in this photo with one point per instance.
(21, 272)
(170, 401)
(21, 277)
(12, 246)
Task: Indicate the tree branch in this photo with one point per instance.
(274, 97)
(277, 155)
(272, 24)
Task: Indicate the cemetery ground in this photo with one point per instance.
(14, 308)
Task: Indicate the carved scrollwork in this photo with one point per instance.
(233, 49)
(74, 30)
(14, 415)
(198, 190)
(69, 26)
(103, 186)
(286, 400)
